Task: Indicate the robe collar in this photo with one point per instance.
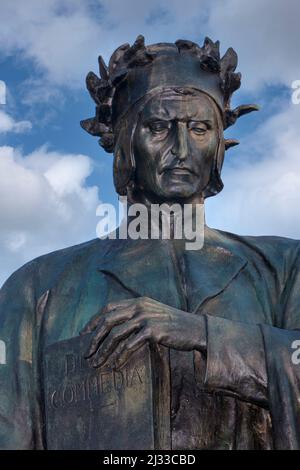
(149, 268)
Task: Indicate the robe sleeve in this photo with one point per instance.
(235, 361)
(258, 363)
(18, 375)
(282, 365)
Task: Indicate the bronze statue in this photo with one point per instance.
(140, 343)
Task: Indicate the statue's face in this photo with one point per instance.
(174, 146)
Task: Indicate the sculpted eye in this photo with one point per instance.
(199, 128)
(159, 127)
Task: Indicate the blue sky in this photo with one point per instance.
(53, 175)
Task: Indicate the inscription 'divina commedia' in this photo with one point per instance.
(81, 382)
(96, 406)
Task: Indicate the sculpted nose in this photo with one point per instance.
(180, 147)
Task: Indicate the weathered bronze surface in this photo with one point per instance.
(132, 344)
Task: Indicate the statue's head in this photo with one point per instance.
(162, 110)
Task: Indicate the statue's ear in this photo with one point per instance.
(123, 170)
(215, 184)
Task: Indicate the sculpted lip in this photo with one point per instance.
(179, 170)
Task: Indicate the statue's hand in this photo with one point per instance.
(123, 327)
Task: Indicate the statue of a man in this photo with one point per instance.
(222, 320)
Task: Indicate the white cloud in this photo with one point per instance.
(45, 199)
(55, 34)
(64, 37)
(261, 194)
(45, 204)
(266, 35)
(40, 91)
(8, 124)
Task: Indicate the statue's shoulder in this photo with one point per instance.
(274, 250)
(42, 272)
(28, 287)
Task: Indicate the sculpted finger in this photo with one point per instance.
(91, 324)
(94, 321)
(107, 322)
(138, 303)
(119, 304)
(111, 342)
(129, 346)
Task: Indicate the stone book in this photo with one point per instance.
(106, 408)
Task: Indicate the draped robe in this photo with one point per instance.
(244, 393)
